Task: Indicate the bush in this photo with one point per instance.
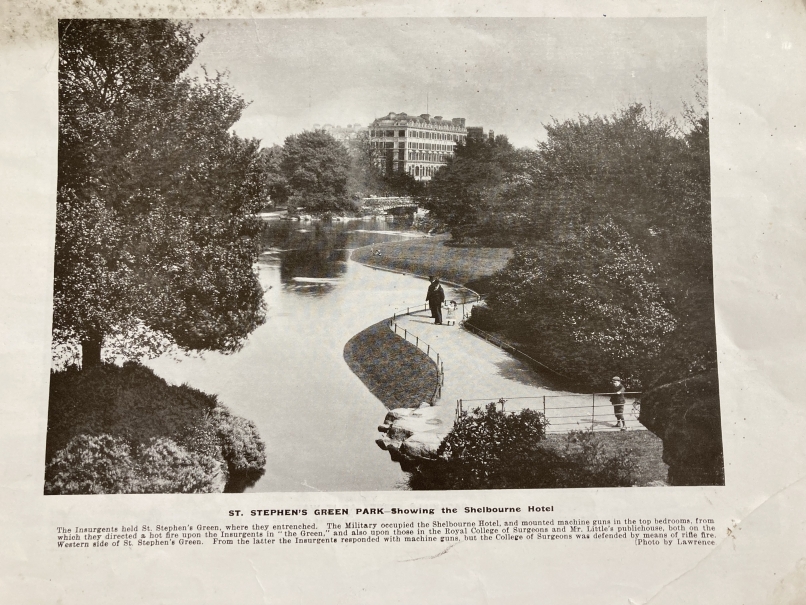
(108, 465)
(590, 308)
(241, 445)
(125, 430)
(491, 449)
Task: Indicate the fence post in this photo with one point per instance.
(544, 406)
(429, 350)
(405, 334)
(593, 410)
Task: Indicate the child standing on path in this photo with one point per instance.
(618, 401)
(450, 313)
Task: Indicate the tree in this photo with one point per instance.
(156, 236)
(274, 183)
(316, 167)
(471, 194)
(365, 177)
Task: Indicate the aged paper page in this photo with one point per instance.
(741, 542)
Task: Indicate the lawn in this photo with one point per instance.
(398, 373)
(466, 265)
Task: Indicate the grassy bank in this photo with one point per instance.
(395, 371)
(466, 265)
(646, 449)
(125, 430)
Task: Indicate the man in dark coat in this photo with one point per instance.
(435, 298)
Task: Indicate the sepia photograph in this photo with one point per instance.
(339, 303)
(336, 255)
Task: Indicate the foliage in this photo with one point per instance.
(614, 271)
(491, 449)
(156, 197)
(365, 177)
(474, 193)
(136, 427)
(274, 181)
(591, 304)
(240, 442)
(316, 167)
(104, 464)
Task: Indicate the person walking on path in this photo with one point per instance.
(618, 401)
(435, 298)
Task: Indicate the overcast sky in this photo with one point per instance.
(509, 75)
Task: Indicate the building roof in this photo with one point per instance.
(403, 119)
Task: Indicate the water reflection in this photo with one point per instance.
(312, 257)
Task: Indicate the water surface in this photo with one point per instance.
(318, 420)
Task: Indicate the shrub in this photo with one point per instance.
(491, 449)
(102, 464)
(241, 445)
(589, 308)
(125, 430)
(90, 464)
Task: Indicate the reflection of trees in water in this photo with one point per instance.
(240, 482)
(320, 252)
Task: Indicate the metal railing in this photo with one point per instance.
(565, 412)
(426, 348)
(506, 346)
(423, 307)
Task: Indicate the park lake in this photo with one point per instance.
(317, 418)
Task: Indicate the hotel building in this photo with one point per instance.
(418, 145)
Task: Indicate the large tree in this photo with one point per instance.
(316, 167)
(156, 234)
(476, 194)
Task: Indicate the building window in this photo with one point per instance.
(402, 133)
(401, 144)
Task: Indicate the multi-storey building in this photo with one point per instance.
(418, 145)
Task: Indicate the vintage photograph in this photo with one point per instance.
(338, 255)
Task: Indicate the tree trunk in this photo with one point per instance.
(91, 351)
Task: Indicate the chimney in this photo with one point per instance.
(460, 122)
(492, 135)
(438, 118)
(425, 116)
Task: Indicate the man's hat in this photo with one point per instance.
(616, 378)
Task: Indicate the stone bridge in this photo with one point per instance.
(389, 204)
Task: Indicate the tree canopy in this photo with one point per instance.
(156, 234)
(475, 193)
(316, 167)
(611, 219)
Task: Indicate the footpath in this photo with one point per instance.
(477, 372)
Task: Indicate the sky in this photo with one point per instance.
(508, 75)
